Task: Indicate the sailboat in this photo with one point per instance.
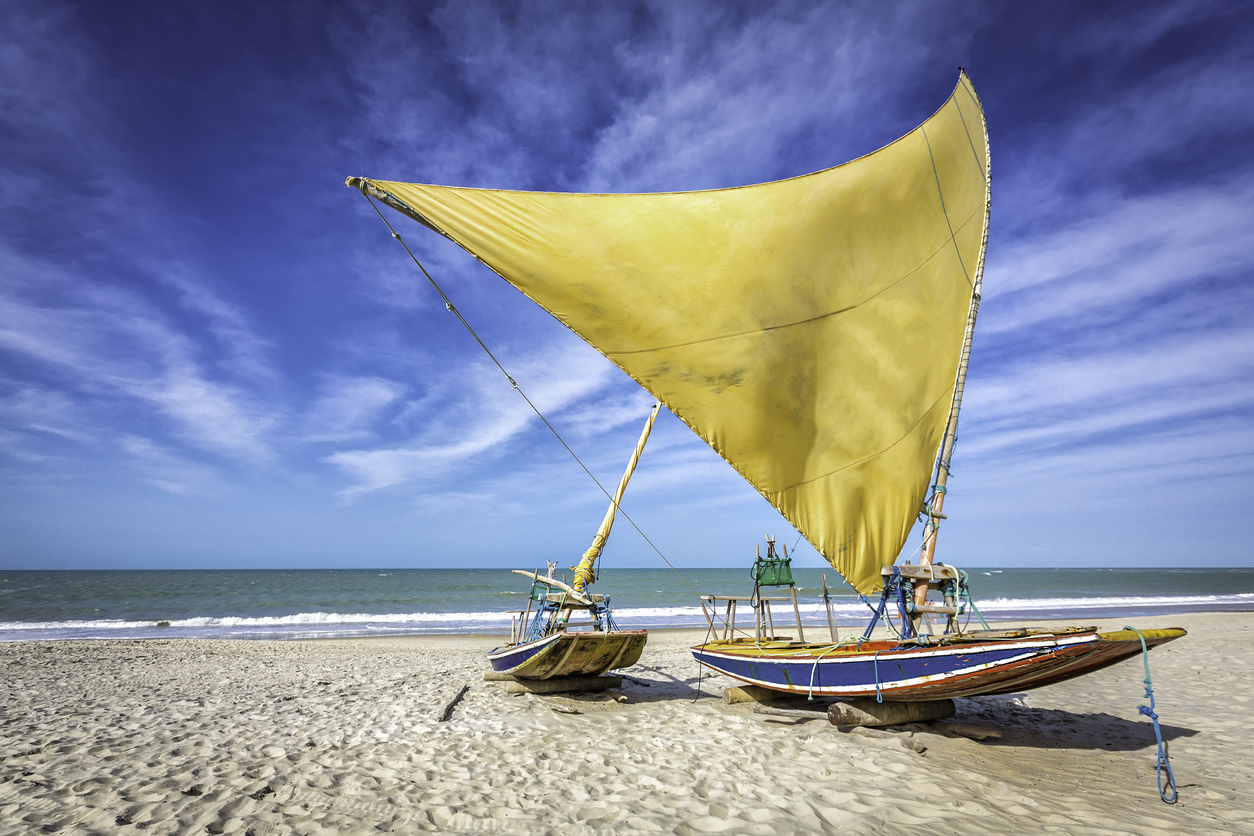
(544, 644)
(815, 332)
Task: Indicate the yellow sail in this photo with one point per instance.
(809, 329)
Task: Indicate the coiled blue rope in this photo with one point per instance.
(1148, 711)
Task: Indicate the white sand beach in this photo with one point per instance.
(342, 736)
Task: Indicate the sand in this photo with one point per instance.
(341, 737)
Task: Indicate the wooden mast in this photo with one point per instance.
(936, 506)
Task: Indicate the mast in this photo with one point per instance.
(935, 507)
(583, 572)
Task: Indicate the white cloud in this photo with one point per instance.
(348, 406)
(164, 469)
(109, 342)
(486, 415)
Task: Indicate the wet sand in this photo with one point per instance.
(342, 737)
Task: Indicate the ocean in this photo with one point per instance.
(292, 604)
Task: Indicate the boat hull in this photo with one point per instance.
(960, 667)
(570, 654)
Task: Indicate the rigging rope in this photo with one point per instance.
(1148, 711)
(452, 309)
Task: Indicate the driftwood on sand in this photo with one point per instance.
(447, 711)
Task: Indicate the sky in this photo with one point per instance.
(212, 354)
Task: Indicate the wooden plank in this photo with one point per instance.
(801, 633)
(563, 685)
(751, 693)
(796, 713)
(569, 650)
(577, 597)
(622, 648)
(934, 608)
(868, 712)
(934, 572)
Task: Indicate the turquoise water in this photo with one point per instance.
(323, 603)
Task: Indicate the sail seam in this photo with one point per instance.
(766, 328)
(944, 210)
(971, 141)
(876, 454)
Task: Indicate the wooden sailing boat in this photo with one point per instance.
(814, 332)
(544, 644)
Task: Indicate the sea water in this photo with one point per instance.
(268, 604)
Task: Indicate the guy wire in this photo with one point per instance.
(449, 305)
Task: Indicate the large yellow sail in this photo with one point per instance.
(809, 329)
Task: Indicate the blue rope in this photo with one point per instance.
(879, 694)
(815, 668)
(1148, 711)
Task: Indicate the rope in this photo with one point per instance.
(815, 668)
(879, 694)
(1148, 711)
(449, 305)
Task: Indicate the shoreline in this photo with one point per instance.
(340, 735)
(846, 627)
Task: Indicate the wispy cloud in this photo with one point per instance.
(190, 299)
(722, 109)
(484, 415)
(347, 408)
(1135, 250)
(163, 469)
(109, 342)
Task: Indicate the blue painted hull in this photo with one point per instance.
(961, 668)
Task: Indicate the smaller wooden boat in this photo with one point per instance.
(544, 645)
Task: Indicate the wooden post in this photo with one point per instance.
(770, 616)
(758, 615)
(827, 602)
(522, 628)
(796, 610)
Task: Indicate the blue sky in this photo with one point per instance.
(213, 355)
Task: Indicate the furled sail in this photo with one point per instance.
(808, 329)
(583, 570)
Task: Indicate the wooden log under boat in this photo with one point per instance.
(564, 685)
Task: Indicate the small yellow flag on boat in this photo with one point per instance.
(809, 329)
